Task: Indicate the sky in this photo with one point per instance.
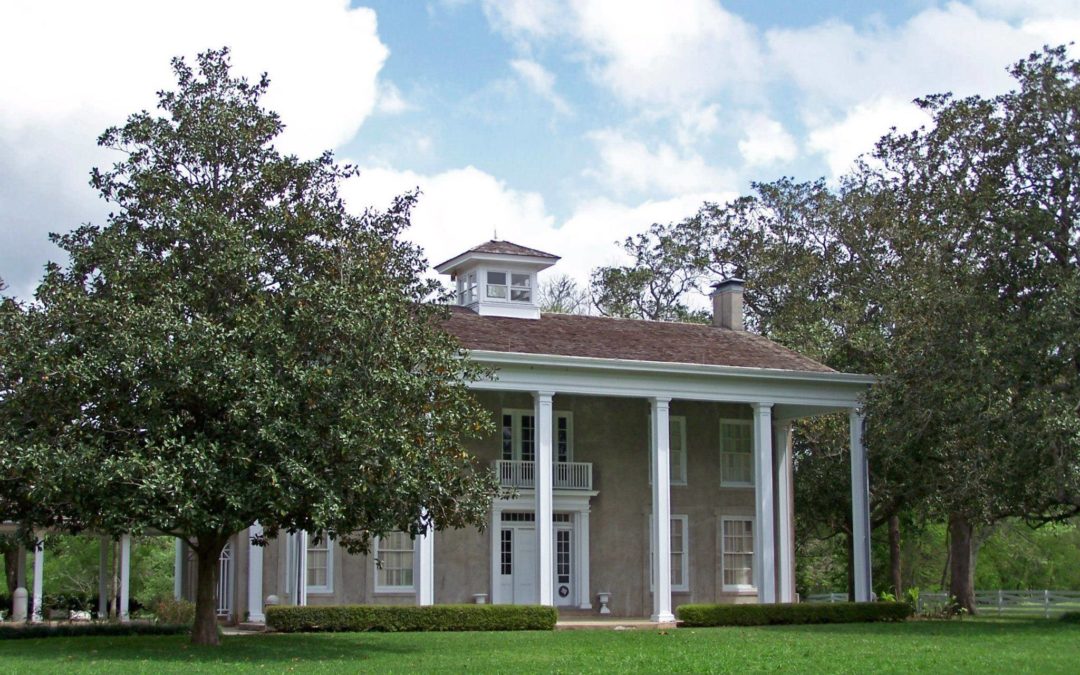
(563, 125)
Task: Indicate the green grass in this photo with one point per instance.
(982, 645)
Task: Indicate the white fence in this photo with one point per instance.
(1003, 603)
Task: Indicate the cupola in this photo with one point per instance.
(498, 278)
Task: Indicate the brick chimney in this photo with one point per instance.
(727, 304)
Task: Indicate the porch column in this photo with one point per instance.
(764, 551)
(103, 575)
(494, 594)
(254, 575)
(543, 476)
(581, 533)
(785, 529)
(860, 507)
(425, 546)
(125, 575)
(661, 509)
(299, 585)
(178, 569)
(39, 572)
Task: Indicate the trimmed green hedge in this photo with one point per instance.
(43, 630)
(392, 619)
(763, 615)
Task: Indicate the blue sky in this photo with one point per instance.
(563, 124)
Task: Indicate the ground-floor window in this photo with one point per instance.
(738, 553)
(395, 554)
(680, 552)
(320, 565)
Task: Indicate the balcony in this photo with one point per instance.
(565, 475)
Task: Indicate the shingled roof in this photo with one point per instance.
(628, 339)
(498, 247)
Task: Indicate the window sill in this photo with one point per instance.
(738, 486)
(395, 591)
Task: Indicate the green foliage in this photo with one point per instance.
(174, 612)
(1071, 617)
(96, 629)
(232, 346)
(802, 613)
(388, 618)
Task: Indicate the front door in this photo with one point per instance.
(517, 561)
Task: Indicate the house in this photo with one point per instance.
(647, 464)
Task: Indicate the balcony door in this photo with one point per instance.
(519, 436)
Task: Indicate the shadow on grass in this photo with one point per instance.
(269, 650)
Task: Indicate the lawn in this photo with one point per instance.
(983, 645)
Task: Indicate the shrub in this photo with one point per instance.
(1071, 617)
(764, 615)
(174, 612)
(44, 630)
(388, 618)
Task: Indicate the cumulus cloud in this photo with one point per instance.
(542, 82)
(461, 208)
(843, 141)
(766, 141)
(73, 69)
(628, 165)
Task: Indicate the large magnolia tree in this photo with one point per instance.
(233, 345)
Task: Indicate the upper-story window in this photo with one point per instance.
(467, 288)
(508, 286)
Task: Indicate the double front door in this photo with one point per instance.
(517, 574)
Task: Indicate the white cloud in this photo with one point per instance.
(765, 141)
(668, 54)
(629, 165)
(73, 69)
(461, 208)
(842, 142)
(390, 101)
(541, 81)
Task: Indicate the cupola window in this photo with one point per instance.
(509, 285)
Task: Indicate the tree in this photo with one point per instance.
(562, 295)
(234, 346)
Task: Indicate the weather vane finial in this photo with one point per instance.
(495, 235)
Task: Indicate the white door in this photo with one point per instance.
(525, 592)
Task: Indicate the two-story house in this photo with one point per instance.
(646, 461)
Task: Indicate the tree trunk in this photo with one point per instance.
(11, 571)
(894, 554)
(961, 563)
(850, 542)
(205, 630)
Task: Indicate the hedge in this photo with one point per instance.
(391, 619)
(44, 630)
(764, 615)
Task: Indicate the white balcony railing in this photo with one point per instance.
(565, 475)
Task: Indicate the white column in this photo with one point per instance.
(495, 594)
(299, 585)
(860, 507)
(764, 549)
(39, 573)
(125, 574)
(103, 576)
(543, 476)
(425, 548)
(661, 509)
(581, 534)
(178, 569)
(254, 575)
(784, 511)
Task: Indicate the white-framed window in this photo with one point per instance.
(736, 453)
(395, 568)
(320, 565)
(676, 451)
(512, 286)
(680, 553)
(467, 288)
(519, 436)
(737, 553)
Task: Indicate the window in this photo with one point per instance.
(394, 552)
(676, 452)
(506, 551)
(512, 286)
(519, 436)
(737, 553)
(736, 453)
(680, 553)
(467, 289)
(320, 569)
